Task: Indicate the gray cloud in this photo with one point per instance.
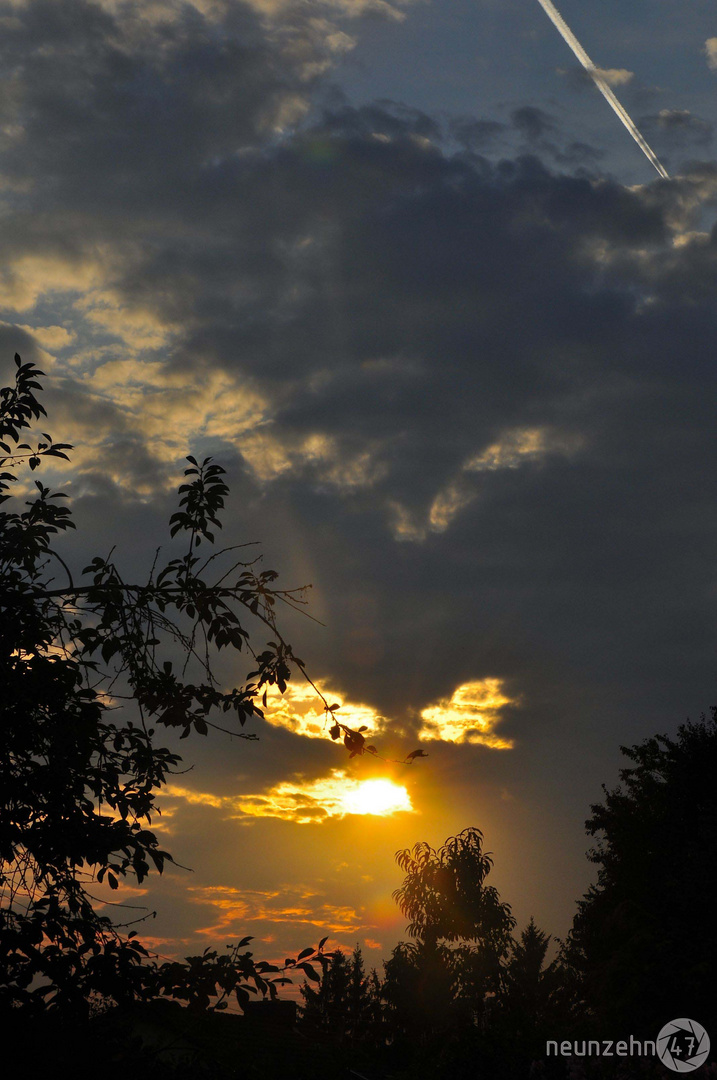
(532, 122)
(678, 128)
(477, 135)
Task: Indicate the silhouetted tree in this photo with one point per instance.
(644, 939)
(327, 1005)
(445, 896)
(77, 786)
(375, 1009)
(419, 989)
(527, 981)
(529, 1006)
(358, 998)
(436, 986)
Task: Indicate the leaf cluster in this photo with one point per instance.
(210, 980)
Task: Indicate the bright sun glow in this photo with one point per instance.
(376, 797)
(306, 801)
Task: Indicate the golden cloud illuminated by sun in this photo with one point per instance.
(514, 448)
(233, 909)
(470, 715)
(332, 796)
(300, 710)
(307, 801)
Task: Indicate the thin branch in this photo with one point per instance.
(60, 560)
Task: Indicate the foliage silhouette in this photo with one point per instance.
(528, 980)
(644, 939)
(436, 986)
(445, 896)
(78, 788)
(466, 999)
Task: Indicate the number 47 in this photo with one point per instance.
(676, 1049)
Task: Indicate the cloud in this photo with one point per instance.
(301, 711)
(580, 77)
(711, 53)
(235, 298)
(470, 715)
(517, 447)
(304, 801)
(545, 136)
(314, 455)
(26, 277)
(476, 134)
(352, 9)
(615, 76)
(678, 128)
(235, 909)
(370, 333)
(531, 122)
(513, 449)
(50, 337)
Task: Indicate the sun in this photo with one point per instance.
(377, 797)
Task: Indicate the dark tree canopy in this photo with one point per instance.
(532, 998)
(645, 936)
(436, 985)
(344, 1002)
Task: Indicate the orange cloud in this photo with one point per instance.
(300, 710)
(468, 716)
(234, 908)
(307, 801)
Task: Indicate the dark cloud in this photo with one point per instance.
(542, 135)
(533, 123)
(677, 128)
(391, 119)
(119, 118)
(14, 339)
(577, 153)
(477, 135)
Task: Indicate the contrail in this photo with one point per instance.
(569, 37)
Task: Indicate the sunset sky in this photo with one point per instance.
(400, 269)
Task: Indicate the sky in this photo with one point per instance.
(401, 270)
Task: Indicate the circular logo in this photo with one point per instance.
(683, 1045)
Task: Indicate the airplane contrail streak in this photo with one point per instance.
(604, 88)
